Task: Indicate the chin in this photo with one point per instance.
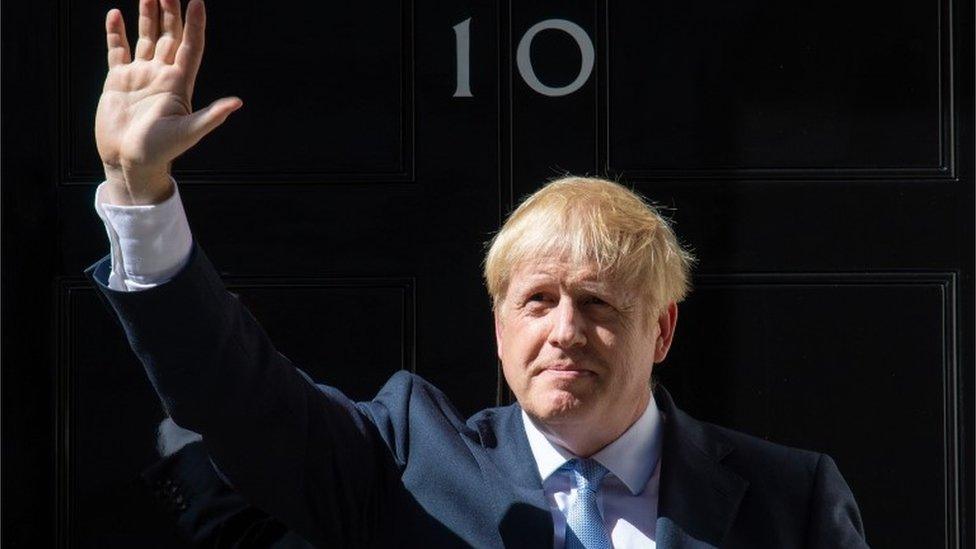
(556, 406)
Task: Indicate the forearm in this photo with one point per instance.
(217, 374)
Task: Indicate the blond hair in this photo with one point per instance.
(592, 222)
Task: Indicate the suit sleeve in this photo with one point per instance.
(835, 520)
(208, 512)
(309, 457)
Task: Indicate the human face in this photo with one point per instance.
(577, 349)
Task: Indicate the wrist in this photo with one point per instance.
(136, 187)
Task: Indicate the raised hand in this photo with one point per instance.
(145, 117)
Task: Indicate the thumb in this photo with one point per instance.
(205, 120)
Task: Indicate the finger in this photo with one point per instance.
(190, 52)
(148, 29)
(172, 31)
(206, 120)
(118, 45)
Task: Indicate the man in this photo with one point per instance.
(584, 278)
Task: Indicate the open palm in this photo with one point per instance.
(145, 117)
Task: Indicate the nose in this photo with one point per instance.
(567, 326)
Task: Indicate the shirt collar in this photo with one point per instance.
(631, 458)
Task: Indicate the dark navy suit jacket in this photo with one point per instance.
(406, 470)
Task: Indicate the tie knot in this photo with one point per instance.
(588, 473)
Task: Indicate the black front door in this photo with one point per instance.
(817, 158)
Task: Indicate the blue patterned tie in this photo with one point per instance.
(584, 525)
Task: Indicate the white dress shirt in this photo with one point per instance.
(150, 244)
(627, 498)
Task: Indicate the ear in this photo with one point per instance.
(666, 322)
(498, 332)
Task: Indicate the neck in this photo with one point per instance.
(586, 438)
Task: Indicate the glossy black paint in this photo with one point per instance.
(817, 157)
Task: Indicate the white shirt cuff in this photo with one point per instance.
(149, 244)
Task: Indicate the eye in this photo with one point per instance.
(537, 301)
(598, 305)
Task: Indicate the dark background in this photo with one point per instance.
(816, 156)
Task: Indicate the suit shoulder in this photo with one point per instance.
(781, 479)
(759, 456)
(411, 397)
(407, 405)
(406, 384)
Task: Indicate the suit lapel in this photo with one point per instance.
(698, 496)
(524, 518)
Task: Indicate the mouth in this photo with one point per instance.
(567, 372)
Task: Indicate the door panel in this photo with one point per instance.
(816, 157)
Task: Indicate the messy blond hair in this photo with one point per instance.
(592, 222)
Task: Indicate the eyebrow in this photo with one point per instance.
(587, 284)
(595, 287)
